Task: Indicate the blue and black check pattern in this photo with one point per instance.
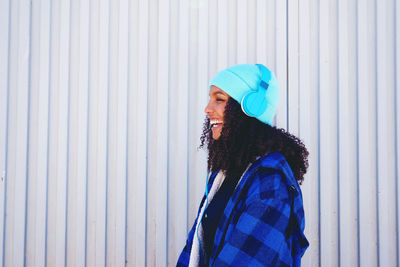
(263, 222)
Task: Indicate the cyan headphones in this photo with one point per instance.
(254, 102)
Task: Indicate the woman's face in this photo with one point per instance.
(215, 110)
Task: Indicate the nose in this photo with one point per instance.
(208, 108)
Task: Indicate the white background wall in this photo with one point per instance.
(101, 109)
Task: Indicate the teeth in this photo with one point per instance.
(215, 121)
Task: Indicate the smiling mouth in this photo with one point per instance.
(215, 123)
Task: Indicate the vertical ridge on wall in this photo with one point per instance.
(318, 17)
(97, 144)
(347, 158)
(35, 248)
(232, 33)
(141, 123)
(366, 125)
(265, 21)
(198, 78)
(293, 68)
(357, 135)
(222, 34)
(262, 42)
(193, 80)
(251, 32)
(67, 59)
(108, 10)
(281, 61)
(172, 207)
(180, 42)
(376, 132)
(84, 96)
(123, 50)
(385, 133)
(5, 25)
(212, 37)
(328, 128)
(59, 120)
(132, 235)
(117, 112)
(78, 107)
(338, 127)
(241, 28)
(308, 121)
(396, 10)
(162, 175)
(152, 109)
(88, 129)
(92, 131)
(48, 84)
(18, 134)
(28, 107)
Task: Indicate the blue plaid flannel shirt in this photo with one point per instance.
(263, 222)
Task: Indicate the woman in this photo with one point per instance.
(252, 212)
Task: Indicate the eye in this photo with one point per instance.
(220, 100)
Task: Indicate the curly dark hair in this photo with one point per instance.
(244, 138)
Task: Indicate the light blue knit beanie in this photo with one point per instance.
(253, 86)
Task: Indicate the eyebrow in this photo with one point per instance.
(218, 93)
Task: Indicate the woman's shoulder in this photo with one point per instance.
(271, 178)
(267, 184)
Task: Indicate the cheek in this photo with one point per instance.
(222, 110)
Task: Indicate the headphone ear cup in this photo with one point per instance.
(254, 103)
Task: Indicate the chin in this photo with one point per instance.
(216, 137)
(216, 134)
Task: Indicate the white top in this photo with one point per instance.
(198, 234)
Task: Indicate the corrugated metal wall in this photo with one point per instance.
(101, 110)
